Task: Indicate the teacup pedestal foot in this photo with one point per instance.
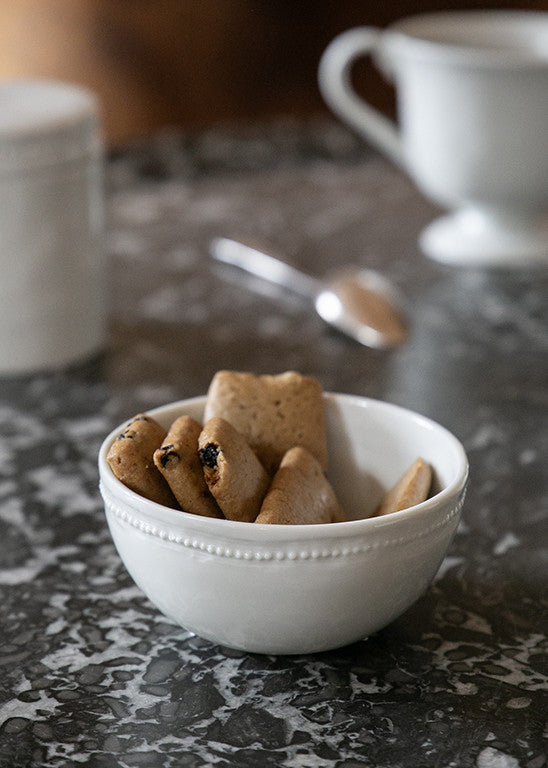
(475, 238)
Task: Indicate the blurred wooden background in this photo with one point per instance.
(195, 63)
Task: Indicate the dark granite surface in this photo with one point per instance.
(91, 673)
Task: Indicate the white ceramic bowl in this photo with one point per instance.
(300, 588)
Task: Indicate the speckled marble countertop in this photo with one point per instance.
(91, 673)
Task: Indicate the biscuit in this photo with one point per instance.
(412, 488)
(235, 476)
(178, 461)
(273, 413)
(300, 493)
(130, 458)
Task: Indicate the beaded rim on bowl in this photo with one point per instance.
(264, 554)
(303, 542)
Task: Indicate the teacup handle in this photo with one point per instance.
(336, 88)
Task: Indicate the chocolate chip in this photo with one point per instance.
(208, 455)
(126, 434)
(167, 455)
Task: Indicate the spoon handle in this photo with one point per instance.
(262, 265)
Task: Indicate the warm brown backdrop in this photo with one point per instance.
(194, 63)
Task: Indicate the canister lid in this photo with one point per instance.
(45, 122)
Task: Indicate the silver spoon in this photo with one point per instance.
(359, 302)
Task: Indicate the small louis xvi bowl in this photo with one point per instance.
(299, 588)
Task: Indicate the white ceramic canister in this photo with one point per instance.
(52, 281)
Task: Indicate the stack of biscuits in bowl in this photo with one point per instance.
(260, 455)
(226, 513)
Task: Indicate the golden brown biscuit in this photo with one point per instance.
(235, 476)
(178, 461)
(273, 413)
(300, 493)
(412, 488)
(130, 458)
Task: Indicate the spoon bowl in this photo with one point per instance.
(365, 306)
(360, 303)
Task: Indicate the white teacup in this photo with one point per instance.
(472, 92)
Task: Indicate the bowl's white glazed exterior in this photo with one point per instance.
(307, 588)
